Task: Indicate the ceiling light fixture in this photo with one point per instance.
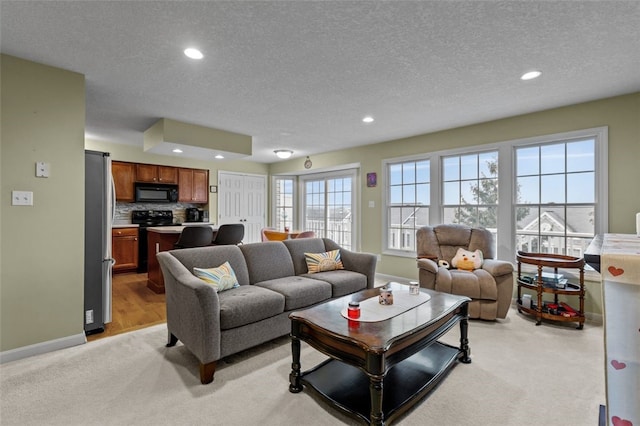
(219, 156)
(177, 151)
(193, 53)
(368, 119)
(283, 153)
(531, 75)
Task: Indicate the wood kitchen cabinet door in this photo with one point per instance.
(123, 177)
(156, 174)
(193, 185)
(124, 249)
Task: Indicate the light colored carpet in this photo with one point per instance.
(520, 375)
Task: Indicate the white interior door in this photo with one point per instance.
(242, 199)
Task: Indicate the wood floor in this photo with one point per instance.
(134, 306)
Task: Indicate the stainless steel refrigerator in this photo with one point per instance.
(99, 211)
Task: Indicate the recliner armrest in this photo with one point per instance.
(497, 267)
(428, 265)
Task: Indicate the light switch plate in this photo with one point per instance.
(21, 198)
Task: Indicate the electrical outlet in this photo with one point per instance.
(88, 317)
(21, 198)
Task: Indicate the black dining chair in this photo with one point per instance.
(229, 234)
(194, 236)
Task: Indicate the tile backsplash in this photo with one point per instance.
(123, 210)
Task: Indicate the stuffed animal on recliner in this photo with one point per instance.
(467, 260)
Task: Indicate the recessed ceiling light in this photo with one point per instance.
(368, 119)
(283, 153)
(219, 157)
(193, 53)
(531, 75)
(177, 151)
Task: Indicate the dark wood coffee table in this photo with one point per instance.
(378, 370)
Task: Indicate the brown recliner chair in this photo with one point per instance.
(490, 287)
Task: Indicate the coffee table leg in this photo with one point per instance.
(375, 390)
(464, 340)
(294, 376)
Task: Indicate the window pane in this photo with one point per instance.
(581, 156)
(395, 195)
(528, 161)
(581, 188)
(527, 220)
(451, 193)
(552, 158)
(488, 217)
(528, 191)
(581, 221)
(488, 191)
(488, 165)
(450, 214)
(395, 174)
(408, 173)
(468, 196)
(468, 167)
(423, 172)
(451, 168)
(467, 216)
(423, 195)
(552, 189)
(422, 217)
(409, 194)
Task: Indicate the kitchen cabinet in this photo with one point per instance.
(193, 186)
(156, 174)
(124, 249)
(123, 178)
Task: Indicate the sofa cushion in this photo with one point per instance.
(267, 261)
(298, 247)
(221, 278)
(478, 284)
(342, 281)
(298, 292)
(321, 262)
(212, 257)
(247, 304)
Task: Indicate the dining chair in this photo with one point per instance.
(229, 234)
(306, 234)
(264, 237)
(273, 235)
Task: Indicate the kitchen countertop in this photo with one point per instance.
(124, 225)
(176, 229)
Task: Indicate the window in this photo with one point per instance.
(470, 189)
(556, 205)
(409, 200)
(283, 202)
(329, 206)
(544, 194)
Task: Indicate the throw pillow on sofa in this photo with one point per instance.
(221, 278)
(321, 262)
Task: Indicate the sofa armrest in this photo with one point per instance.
(193, 309)
(364, 263)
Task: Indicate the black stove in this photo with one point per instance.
(146, 219)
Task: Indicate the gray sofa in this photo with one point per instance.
(274, 281)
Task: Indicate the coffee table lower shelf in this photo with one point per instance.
(347, 387)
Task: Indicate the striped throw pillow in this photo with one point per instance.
(221, 278)
(320, 262)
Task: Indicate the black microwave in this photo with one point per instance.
(156, 193)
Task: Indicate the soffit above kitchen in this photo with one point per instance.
(301, 75)
(194, 141)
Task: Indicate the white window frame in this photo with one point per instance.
(506, 188)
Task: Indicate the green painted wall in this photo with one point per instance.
(42, 246)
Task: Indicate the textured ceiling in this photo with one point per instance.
(301, 75)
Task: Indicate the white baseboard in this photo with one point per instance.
(41, 348)
(382, 279)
